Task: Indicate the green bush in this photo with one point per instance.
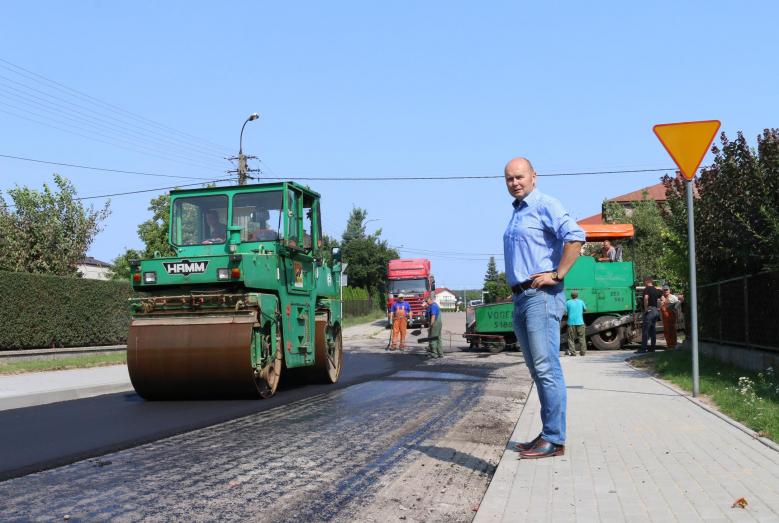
(43, 311)
(355, 293)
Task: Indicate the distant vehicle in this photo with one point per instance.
(473, 303)
(412, 278)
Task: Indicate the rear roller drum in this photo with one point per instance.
(329, 352)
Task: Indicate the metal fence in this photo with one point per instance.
(358, 307)
(741, 311)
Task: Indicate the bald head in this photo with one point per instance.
(520, 177)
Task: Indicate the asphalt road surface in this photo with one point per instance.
(399, 437)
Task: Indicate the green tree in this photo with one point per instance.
(736, 209)
(47, 231)
(492, 271)
(366, 254)
(326, 251)
(154, 234)
(497, 290)
(650, 250)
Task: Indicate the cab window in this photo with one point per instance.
(293, 218)
(199, 220)
(258, 215)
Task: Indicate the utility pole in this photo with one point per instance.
(243, 165)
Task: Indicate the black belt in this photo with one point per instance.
(519, 288)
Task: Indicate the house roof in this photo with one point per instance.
(595, 219)
(439, 290)
(94, 262)
(654, 192)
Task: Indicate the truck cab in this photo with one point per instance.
(412, 278)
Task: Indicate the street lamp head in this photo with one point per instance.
(253, 116)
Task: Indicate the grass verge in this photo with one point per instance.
(351, 321)
(751, 398)
(74, 362)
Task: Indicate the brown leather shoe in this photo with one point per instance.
(543, 450)
(528, 444)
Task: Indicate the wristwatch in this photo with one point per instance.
(556, 277)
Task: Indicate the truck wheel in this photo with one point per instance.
(496, 346)
(610, 339)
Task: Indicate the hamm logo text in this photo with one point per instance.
(185, 267)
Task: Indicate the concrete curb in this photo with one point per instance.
(58, 353)
(56, 396)
(495, 499)
(730, 421)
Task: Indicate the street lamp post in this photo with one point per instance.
(242, 165)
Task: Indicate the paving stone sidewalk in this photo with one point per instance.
(636, 451)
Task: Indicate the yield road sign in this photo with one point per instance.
(687, 142)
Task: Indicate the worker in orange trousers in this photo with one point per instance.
(399, 315)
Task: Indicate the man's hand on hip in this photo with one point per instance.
(541, 279)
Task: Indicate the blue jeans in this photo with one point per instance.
(649, 329)
(537, 314)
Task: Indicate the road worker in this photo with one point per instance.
(434, 331)
(399, 315)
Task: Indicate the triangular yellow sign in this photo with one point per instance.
(687, 142)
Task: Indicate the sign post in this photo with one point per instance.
(687, 143)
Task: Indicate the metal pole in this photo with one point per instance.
(696, 386)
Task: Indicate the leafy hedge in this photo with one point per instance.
(43, 311)
(355, 293)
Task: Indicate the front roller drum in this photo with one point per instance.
(186, 358)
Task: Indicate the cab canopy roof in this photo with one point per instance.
(240, 188)
(596, 232)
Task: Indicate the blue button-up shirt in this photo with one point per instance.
(533, 241)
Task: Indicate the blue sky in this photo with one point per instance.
(376, 89)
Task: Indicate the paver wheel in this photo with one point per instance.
(610, 339)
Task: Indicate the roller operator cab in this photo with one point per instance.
(247, 295)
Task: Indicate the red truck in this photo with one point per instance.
(412, 278)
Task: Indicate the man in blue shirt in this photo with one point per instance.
(434, 331)
(540, 245)
(574, 309)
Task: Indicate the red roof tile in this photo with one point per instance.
(654, 192)
(595, 219)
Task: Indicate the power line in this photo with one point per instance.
(448, 252)
(149, 190)
(110, 124)
(466, 177)
(61, 164)
(26, 73)
(108, 142)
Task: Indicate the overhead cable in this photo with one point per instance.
(150, 190)
(61, 164)
(38, 77)
(107, 123)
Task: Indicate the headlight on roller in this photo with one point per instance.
(150, 277)
(223, 273)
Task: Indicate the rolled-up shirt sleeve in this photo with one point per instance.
(561, 223)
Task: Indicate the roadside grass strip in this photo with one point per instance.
(751, 398)
(351, 321)
(75, 362)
